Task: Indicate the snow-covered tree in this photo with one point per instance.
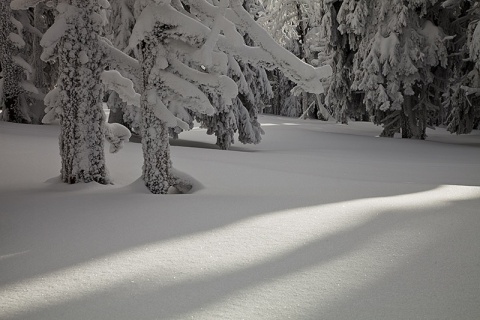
(10, 70)
(395, 65)
(294, 24)
(73, 40)
(45, 73)
(254, 91)
(184, 61)
(18, 92)
(77, 99)
(462, 100)
(343, 24)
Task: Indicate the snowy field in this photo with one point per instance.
(319, 221)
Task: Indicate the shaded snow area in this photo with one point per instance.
(319, 221)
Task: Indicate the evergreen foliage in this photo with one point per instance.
(187, 65)
(21, 91)
(118, 31)
(406, 63)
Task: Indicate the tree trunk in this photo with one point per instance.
(81, 122)
(413, 121)
(157, 165)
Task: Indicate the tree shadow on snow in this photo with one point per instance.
(382, 292)
(194, 144)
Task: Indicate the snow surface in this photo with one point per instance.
(319, 221)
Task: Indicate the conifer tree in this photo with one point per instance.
(182, 61)
(77, 97)
(182, 53)
(396, 63)
(14, 68)
(294, 24)
(343, 25)
(254, 91)
(462, 100)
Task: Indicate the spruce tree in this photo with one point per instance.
(254, 92)
(462, 100)
(343, 24)
(395, 65)
(12, 96)
(77, 97)
(294, 24)
(184, 60)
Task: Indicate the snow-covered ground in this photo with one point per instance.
(319, 221)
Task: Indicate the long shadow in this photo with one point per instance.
(437, 280)
(205, 145)
(178, 300)
(49, 242)
(111, 222)
(194, 144)
(90, 229)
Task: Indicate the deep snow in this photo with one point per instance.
(319, 221)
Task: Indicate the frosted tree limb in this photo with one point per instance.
(306, 76)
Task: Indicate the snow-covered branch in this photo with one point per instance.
(121, 85)
(24, 4)
(306, 76)
(121, 61)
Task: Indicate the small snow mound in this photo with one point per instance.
(186, 184)
(54, 180)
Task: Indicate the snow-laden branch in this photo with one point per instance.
(124, 87)
(182, 49)
(224, 86)
(195, 33)
(205, 52)
(29, 87)
(121, 61)
(52, 109)
(306, 76)
(185, 28)
(187, 91)
(17, 40)
(161, 111)
(242, 84)
(23, 4)
(19, 61)
(116, 134)
(53, 35)
(121, 85)
(18, 25)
